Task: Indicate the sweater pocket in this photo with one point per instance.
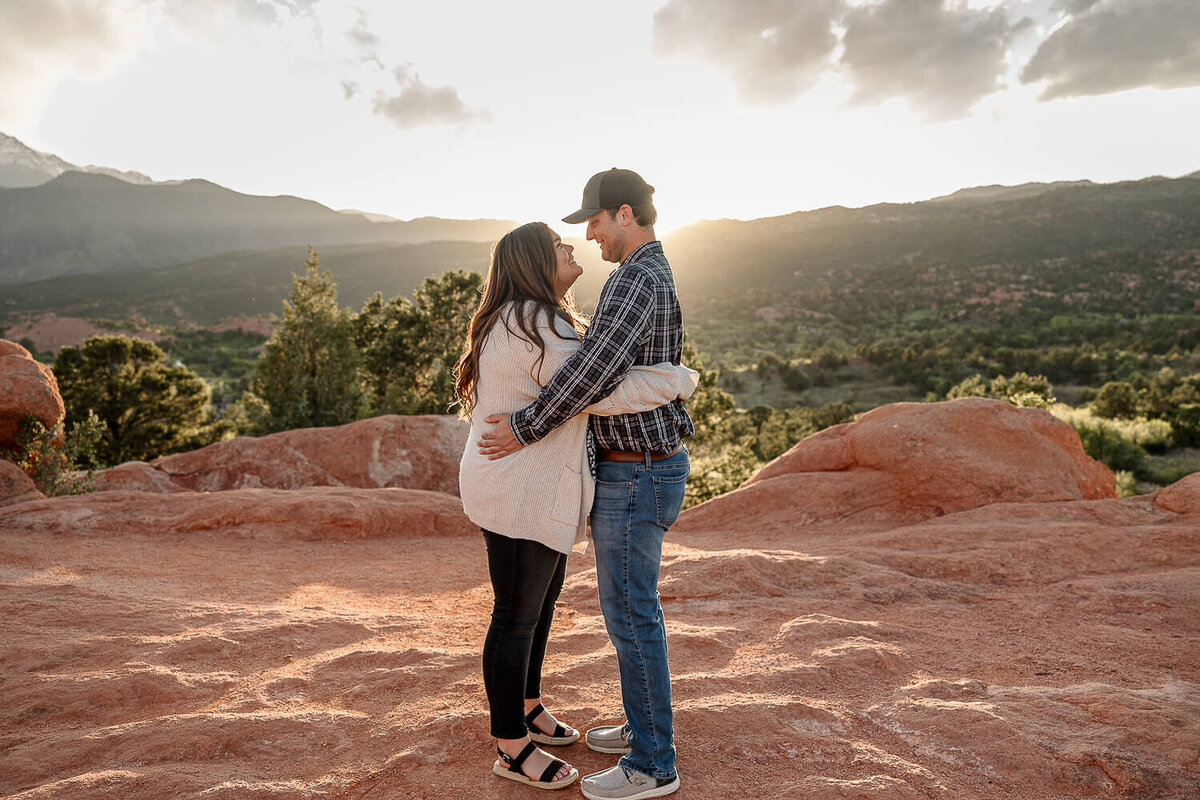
(568, 496)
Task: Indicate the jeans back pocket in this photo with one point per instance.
(668, 497)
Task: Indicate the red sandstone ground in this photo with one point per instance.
(324, 642)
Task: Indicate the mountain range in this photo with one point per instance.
(79, 223)
(1022, 224)
(82, 223)
(21, 166)
(191, 251)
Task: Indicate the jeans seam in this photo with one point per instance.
(633, 632)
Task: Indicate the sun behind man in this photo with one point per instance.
(641, 472)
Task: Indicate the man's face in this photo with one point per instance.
(607, 232)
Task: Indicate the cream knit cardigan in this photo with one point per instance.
(544, 491)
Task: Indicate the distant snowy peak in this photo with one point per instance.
(22, 166)
(128, 176)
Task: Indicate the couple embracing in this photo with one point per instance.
(576, 421)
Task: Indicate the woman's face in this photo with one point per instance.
(566, 270)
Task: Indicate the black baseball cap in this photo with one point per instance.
(611, 189)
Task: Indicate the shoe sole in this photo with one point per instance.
(520, 777)
(553, 741)
(658, 791)
(599, 748)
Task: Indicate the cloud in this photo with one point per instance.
(419, 105)
(210, 17)
(214, 19)
(1113, 45)
(773, 49)
(41, 43)
(416, 104)
(366, 43)
(44, 41)
(361, 33)
(941, 58)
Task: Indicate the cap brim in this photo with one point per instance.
(580, 216)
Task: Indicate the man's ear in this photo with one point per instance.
(625, 213)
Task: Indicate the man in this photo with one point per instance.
(641, 470)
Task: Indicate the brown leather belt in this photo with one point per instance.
(631, 456)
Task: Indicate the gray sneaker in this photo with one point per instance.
(609, 739)
(621, 783)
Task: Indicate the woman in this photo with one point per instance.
(533, 505)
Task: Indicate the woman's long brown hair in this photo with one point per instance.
(521, 272)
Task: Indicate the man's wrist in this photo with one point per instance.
(520, 428)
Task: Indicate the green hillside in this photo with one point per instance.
(799, 251)
(246, 283)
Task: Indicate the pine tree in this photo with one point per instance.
(410, 346)
(147, 407)
(309, 372)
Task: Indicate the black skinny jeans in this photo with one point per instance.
(526, 577)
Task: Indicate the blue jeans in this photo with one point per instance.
(635, 504)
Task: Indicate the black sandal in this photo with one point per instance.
(509, 767)
(558, 738)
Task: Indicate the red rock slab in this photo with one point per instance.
(1181, 497)
(391, 451)
(321, 512)
(135, 476)
(1021, 650)
(170, 646)
(913, 461)
(15, 485)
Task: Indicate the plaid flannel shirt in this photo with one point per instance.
(637, 321)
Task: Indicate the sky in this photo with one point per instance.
(730, 109)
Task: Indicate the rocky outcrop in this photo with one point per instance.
(913, 461)
(27, 388)
(314, 514)
(1182, 497)
(1014, 633)
(15, 485)
(382, 452)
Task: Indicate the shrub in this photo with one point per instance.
(1116, 399)
(973, 386)
(1020, 390)
(1107, 444)
(715, 475)
(828, 358)
(1108, 441)
(796, 379)
(832, 414)
(52, 458)
(1185, 425)
(1126, 484)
